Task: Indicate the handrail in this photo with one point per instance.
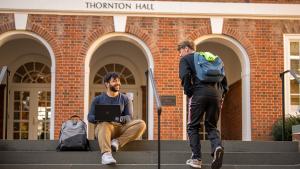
(157, 98)
(4, 70)
(2, 73)
(283, 97)
(159, 110)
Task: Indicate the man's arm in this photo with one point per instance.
(185, 76)
(127, 112)
(225, 86)
(91, 115)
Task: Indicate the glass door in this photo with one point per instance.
(30, 114)
(21, 117)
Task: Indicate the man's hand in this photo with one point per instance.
(125, 119)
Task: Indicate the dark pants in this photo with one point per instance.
(198, 106)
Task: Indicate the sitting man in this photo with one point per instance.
(112, 135)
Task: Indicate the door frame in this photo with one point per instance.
(33, 121)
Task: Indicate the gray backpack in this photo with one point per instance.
(73, 135)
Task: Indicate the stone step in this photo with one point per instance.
(166, 145)
(145, 157)
(138, 166)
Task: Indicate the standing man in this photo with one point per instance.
(113, 135)
(204, 98)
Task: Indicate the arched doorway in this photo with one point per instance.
(237, 68)
(31, 86)
(130, 57)
(30, 103)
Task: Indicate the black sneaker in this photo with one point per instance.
(218, 158)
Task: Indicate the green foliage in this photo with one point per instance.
(289, 122)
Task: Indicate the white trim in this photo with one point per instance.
(9, 36)
(21, 20)
(216, 24)
(245, 75)
(120, 23)
(136, 41)
(153, 8)
(287, 62)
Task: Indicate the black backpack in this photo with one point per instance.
(73, 135)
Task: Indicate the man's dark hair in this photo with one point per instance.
(184, 44)
(111, 75)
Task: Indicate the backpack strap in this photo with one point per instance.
(74, 116)
(197, 62)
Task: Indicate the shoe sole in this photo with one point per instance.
(194, 166)
(110, 163)
(217, 163)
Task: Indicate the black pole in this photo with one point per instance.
(6, 104)
(283, 106)
(158, 138)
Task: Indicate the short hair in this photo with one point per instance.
(111, 75)
(184, 44)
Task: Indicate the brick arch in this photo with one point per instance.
(92, 37)
(198, 33)
(10, 26)
(35, 28)
(134, 30)
(235, 34)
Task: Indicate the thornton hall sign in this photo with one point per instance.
(119, 5)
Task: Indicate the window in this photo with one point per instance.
(32, 72)
(294, 57)
(126, 75)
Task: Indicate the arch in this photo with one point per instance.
(7, 36)
(121, 61)
(131, 39)
(245, 75)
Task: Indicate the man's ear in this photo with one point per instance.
(106, 84)
(186, 49)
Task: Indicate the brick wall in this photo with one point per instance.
(263, 40)
(71, 36)
(163, 34)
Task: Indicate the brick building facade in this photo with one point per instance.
(78, 47)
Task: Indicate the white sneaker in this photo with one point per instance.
(195, 163)
(107, 158)
(114, 145)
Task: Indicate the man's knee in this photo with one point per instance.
(210, 126)
(140, 124)
(104, 126)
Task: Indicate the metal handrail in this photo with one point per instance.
(159, 110)
(4, 70)
(2, 73)
(283, 97)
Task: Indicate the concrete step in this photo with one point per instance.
(166, 145)
(145, 157)
(138, 166)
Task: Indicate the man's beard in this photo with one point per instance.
(113, 88)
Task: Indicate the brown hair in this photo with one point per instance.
(184, 44)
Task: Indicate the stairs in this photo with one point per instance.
(29, 154)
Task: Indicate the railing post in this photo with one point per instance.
(159, 110)
(283, 98)
(283, 106)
